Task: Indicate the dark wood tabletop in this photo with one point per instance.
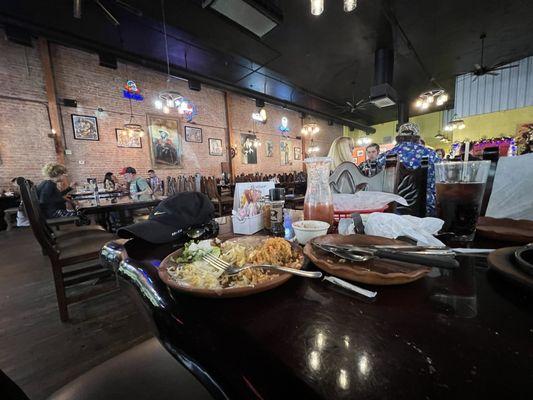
(118, 204)
(465, 333)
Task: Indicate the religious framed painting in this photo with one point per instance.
(249, 148)
(165, 143)
(85, 127)
(193, 134)
(285, 152)
(215, 147)
(297, 153)
(128, 139)
(269, 148)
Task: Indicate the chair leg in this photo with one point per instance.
(60, 292)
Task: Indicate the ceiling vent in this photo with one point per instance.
(254, 15)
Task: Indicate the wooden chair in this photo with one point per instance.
(10, 217)
(223, 204)
(74, 255)
(393, 178)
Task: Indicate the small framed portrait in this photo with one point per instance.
(215, 147)
(269, 148)
(128, 139)
(297, 153)
(193, 134)
(85, 127)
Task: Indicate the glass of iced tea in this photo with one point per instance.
(460, 187)
(318, 203)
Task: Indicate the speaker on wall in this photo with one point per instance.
(195, 85)
(107, 60)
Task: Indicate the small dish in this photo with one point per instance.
(310, 229)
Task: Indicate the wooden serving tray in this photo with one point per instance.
(518, 231)
(373, 272)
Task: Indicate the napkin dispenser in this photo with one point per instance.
(247, 214)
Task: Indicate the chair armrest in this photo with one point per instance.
(62, 221)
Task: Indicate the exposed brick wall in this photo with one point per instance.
(24, 125)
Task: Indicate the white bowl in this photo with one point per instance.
(307, 230)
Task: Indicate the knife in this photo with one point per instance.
(364, 254)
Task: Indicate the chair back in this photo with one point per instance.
(493, 155)
(348, 178)
(411, 184)
(40, 229)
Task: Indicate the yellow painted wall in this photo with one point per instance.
(501, 123)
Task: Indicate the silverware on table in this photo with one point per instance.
(230, 269)
(350, 286)
(360, 254)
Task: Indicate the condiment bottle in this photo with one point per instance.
(277, 201)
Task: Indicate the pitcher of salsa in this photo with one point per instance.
(318, 203)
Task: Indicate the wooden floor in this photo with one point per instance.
(39, 352)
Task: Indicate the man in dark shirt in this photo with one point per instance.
(370, 166)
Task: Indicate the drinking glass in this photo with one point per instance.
(460, 187)
(318, 202)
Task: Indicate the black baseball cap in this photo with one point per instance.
(172, 217)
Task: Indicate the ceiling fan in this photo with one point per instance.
(351, 106)
(481, 69)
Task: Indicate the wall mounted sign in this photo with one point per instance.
(132, 91)
(284, 126)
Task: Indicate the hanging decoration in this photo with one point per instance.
(310, 129)
(454, 124)
(435, 96)
(132, 91)
(506, 144)
(284, 126)
(170, 99)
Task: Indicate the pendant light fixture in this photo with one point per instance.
(350, 5)
(317, 6)
(455, 124)
(170, 99)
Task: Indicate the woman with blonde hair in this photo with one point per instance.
(52, 200)
(341, 150)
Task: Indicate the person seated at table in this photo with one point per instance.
(441, 153)
(529, 148)
(53, 201)
(341, 150)
(410, 153)
(110, 181)
(460, 156)
(137, 185)
(370, 166)
(155, 183)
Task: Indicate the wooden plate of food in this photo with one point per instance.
(518, 231)
(373, 272)
(184, 271)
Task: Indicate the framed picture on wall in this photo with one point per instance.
(128, 139)
(165, 143)
(85, 127)
(193, 134)
(269, 148)
(297, 153)
(215, 147)
(285, 152)
(249, 149)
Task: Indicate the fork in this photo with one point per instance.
(231, 269)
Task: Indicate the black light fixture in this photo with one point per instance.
(70, 103)
(194, 85)
(259, 103)
(107, 60)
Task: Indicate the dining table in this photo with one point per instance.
(121, 207)
(462, 333)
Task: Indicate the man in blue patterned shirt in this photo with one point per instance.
(410, 153)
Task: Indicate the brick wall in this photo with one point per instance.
(24, 122)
